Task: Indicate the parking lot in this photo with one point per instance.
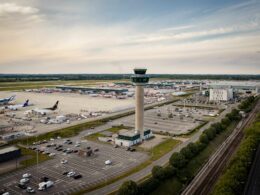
(173, 119)
(92, 168)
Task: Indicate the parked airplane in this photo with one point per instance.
(43, 111)
(17, 106)
(7, 100)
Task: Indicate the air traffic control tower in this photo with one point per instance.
(139, 79)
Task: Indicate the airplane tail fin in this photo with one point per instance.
(11, 98)
(55, 106)
(26, 103)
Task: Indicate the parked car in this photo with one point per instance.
(22, 185)
(45, 185)
(71, 174)
(24, 180)
(52, 154)
(65, 173)
(64, 161)
(27, 175)
(96, 150)
(30, 190)
(108, 162)
(78, 176)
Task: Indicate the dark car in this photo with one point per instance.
(75, 151)
(59, 149)
(65, 172)
(78, 176)
(132, 149)
(96, 150)
(88, 147)
(22, 186)
(48, 146)
(44, 179)
(70, 142)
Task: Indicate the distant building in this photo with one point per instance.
(129, 138)
(9, 153)
(238, 87)
(221, 94)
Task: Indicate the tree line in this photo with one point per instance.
(53, 77)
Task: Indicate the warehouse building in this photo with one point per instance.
(9, 153)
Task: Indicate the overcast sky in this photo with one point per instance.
(114, 36)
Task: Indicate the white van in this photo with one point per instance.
(45, 185)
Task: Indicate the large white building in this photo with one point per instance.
(221, 94)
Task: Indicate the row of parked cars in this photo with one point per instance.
(44, 184)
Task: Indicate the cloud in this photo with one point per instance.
(34, 37)
(12, 8)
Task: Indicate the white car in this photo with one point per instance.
(30, 190)
(27, 175)
(71, 174)
(24, 180)
(77, 145)
(63, 161)
(108, 162)
(6, 193)
(52, 154)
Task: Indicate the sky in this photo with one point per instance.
(114, 36)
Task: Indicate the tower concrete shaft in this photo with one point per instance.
(139, 109)
(139, 79)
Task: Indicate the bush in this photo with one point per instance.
(128, 188)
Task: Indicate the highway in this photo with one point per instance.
(162, 161)
(204, 181)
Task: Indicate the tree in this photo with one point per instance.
(158, 172)
(187, 152)
(177, 160)
(218, 127)
(128, 188)
(204, 138)
(211, 133)
(226, 122)
(193, 148)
